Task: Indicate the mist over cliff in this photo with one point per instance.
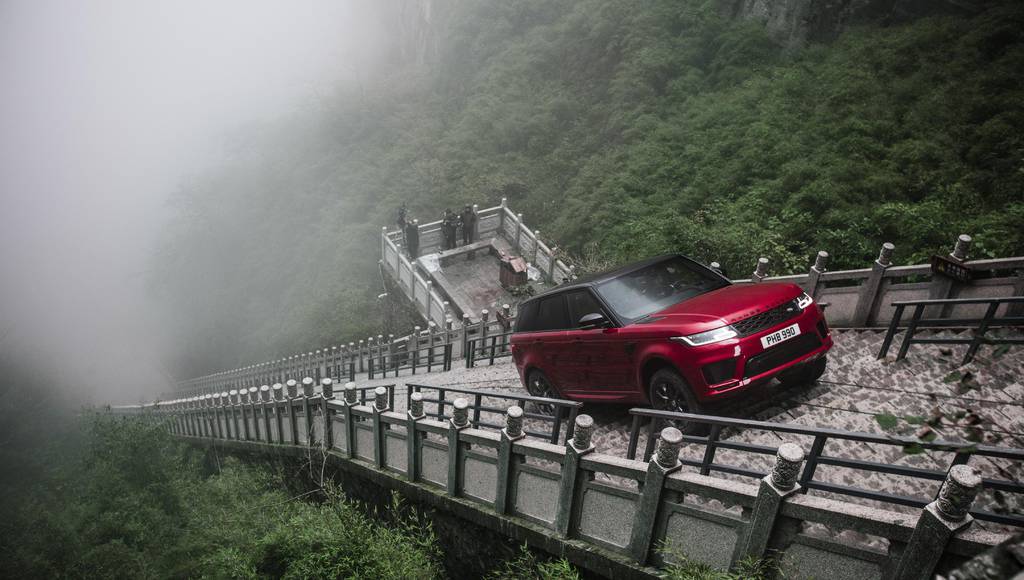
(108, 107)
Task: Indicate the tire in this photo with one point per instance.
(668, 391)
(804, 374)
(538, 385)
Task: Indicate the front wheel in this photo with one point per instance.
(538, 385)
(669, 392)
(804, 374)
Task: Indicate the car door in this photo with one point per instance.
(581, 353)
(599, 361)
(548, 342)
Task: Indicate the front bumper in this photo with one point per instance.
(720, 370)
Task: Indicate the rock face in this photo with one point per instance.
(795, 22)
(419, 28)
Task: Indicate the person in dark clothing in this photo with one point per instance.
(456, 228)
(402, 213)
(444, 230)
(448, 227)
(412, 239)
(468, 219)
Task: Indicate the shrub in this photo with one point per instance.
(527, 566)
(137, 504)
(748, 568)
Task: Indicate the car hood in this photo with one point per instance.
(726, 305)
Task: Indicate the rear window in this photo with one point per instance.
(547, 313)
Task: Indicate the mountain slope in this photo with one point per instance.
(625, 127)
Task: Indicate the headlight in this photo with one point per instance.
(702, 338)
(804, 301)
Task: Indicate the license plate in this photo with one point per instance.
(778, 336)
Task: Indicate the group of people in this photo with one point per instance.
(451, 224)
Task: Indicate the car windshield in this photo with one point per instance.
(658, 286)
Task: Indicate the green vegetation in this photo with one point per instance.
(121, 499)
(746, 569)
(619, 128)
(749, 568)
(527, 566)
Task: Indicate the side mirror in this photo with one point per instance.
(592, 321)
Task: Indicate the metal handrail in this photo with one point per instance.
(388, 361)
(942, 301)
(816, 456)
(565, 411)
(980, 325)
(493, 351)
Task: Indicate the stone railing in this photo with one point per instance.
(610, 515)
(864, 297)
(418, 289)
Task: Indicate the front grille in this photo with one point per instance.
(767, 319)
(720, 371)
(781, 354)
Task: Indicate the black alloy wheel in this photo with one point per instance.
(669, 392)
(538, 385)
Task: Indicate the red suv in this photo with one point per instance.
(666, 331)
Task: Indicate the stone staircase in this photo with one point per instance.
(857, 393)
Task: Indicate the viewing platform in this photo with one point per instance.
(453, 286)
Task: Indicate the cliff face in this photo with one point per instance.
(417, 28)
(794, 22)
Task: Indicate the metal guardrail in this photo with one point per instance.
(979, 325)
(488, 348)
(712, 442)
(563, 411)
(434, 357)
(349, 369)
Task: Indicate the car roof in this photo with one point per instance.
(595, 279)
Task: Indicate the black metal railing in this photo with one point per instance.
(340, 371)
(429, 358)
(980, 326)
(367, 399)
(558, 411)
(489, 348)
(963, 452)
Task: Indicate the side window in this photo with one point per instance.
(551, 314)
(526, 320)
(581, 303)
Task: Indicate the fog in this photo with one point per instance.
(105, 108)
